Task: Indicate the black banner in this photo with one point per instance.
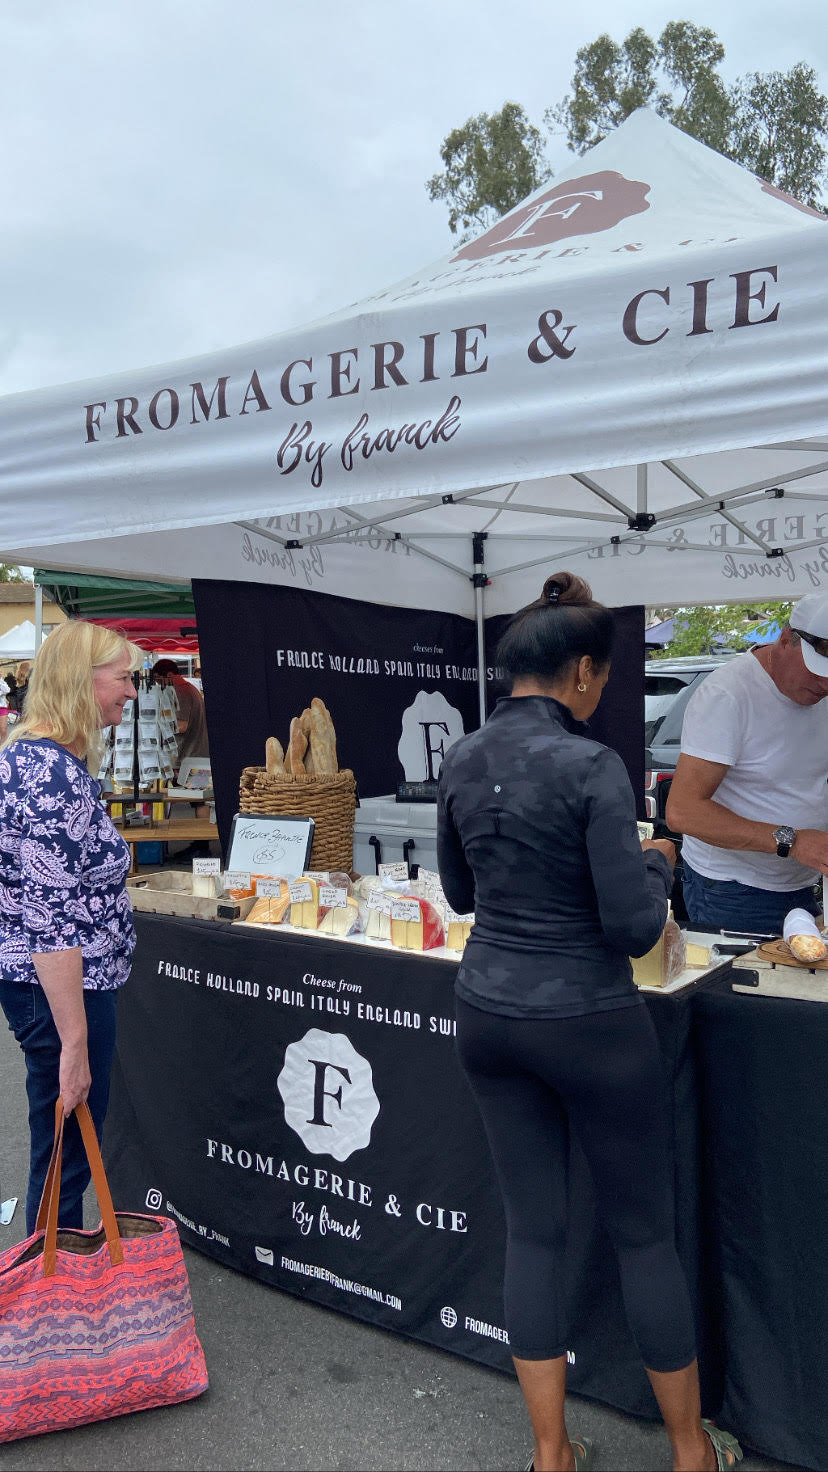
(619, 720)
(297, 1106)
(397, 681)
(400, 684)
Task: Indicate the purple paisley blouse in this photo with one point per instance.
(62, 867)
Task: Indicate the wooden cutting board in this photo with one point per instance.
(779, 953)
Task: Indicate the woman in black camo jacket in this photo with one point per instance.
(537, 834)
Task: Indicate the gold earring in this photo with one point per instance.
(582, 688)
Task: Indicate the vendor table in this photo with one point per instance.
(169, 830)
(296, 1104)
(764, 1094)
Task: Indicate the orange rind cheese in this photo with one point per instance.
(423, 932)
(271, 909)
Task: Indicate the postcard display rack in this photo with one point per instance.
(146, 742)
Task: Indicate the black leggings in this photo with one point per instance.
(601, 1075)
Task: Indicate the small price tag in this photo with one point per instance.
(300, 892)
(379, 899)
(236, 879)
(320, 875)
(206, 866)
(393, 871)
(268, 889)
(331, 898)
(405, 910)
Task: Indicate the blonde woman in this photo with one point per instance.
(66, 931)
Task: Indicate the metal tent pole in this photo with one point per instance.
(479, 582)
(38, 616)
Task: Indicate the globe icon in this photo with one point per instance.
(448, 1317)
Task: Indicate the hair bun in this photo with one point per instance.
(565, 588)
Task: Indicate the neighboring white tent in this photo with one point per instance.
(19, 642)
(624, 376)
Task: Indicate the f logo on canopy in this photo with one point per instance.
(574, 207)
(328, 1092)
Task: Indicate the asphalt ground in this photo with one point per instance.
(293, 1385)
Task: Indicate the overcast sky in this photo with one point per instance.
(182, 176)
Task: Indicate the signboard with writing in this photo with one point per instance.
(261, 844)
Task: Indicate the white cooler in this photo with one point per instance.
(393, 824)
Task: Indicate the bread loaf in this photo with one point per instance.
(808, 947)
(306, 729)
(274, 757)
(323, 739)
(297, 746)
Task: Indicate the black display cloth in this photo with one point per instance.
(297, 1105)
(765, 1107)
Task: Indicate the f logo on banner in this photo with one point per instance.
(328, 1092)
(320, 1093)
(432, 751)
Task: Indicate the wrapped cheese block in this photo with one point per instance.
(304, 907)
(665, 961)
(378, 924)
(340, 919)
(458, 931)
(802, 934)
(271, 909)
(415, 924)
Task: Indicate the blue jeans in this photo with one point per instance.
(30, 1019)
(725, 904)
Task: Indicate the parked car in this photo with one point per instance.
(668, 686)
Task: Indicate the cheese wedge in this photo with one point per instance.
(697, 955)
(664, 962)
(304, 914)
(457, 934)
(378, 925)
(271, 909)
(423, 934)
(340, 919)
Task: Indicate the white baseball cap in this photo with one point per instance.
(809, 617)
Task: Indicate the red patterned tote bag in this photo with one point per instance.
(93, 1324)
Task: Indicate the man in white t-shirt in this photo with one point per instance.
(750, 792)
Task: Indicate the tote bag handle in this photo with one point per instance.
(47, 1215)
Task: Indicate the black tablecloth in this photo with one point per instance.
(764, 1079)
(198, 1128)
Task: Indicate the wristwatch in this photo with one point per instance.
(785, 840)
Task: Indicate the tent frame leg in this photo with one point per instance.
(480, 581)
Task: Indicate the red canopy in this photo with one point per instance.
(162, 635)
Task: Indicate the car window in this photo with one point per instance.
(660, 692)
(670, 731)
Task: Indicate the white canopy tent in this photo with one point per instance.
(19, 642)
(624, 376)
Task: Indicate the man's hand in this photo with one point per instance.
(662, 846)
(75, 1079)
(811, 849)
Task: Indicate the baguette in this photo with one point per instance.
(274, 757)
(297, 746)
(306, 728)
(323, 739)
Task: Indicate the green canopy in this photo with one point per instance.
(86, 595)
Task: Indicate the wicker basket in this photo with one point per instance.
(330, 801)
